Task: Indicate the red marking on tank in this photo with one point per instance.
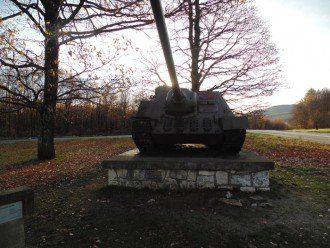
(210, 95)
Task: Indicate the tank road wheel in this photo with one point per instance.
(141, 134)
(233, 141)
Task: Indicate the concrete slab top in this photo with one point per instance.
(189, 159)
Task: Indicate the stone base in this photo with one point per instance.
(247, 171)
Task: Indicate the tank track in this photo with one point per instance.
(233, 141)
(141, 134)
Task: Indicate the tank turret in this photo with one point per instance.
(177, 101)
(179, 116)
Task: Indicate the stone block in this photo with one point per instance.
(155, 175)
(206, 173)
(133, 184)
(139, 175)
(205, 181)
(112, 182)
(183, 184)
(171, 183)
(240, 180)
(178, 174)
(146, 184)
(122, 182)
(225, 187)
(153, 185)
(187, 184)
(161, 186)
(112, 175)
(260, 179)
(263, 189)
(248, 189)
(221, 177)
(192, 175)
(121, 173)
(167, 174)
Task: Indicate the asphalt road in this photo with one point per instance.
(65, 138)
(323, 138)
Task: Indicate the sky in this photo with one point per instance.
(301, 31)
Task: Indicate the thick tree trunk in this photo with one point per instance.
(31, 122)
(195, 86)
(46, 149)
(194, 41)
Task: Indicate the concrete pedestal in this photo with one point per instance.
(189, 169)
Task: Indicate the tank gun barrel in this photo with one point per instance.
(165, 42)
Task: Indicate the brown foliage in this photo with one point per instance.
(313, 111)
(107, 115)
(257, 120)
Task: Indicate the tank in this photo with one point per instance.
(177, 116)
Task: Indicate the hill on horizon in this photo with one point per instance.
(283, 112)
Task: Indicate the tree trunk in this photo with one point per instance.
(31, 122)
(9, 118)
(46, 149)
(194, 42)
(81, 120)
(9, 122)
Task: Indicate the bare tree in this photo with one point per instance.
(47, 25)
(224, 46)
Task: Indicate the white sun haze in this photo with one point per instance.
(299, 28)
(301, 31)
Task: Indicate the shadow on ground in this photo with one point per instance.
(85, 213)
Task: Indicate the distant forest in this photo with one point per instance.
(313, 111)
(72, 118)
(109, 116)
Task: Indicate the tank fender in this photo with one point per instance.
(234, 122)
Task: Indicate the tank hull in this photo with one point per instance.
(149, 138)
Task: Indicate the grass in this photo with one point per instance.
(300, 164)
(19, 164)
(320, 130)
(74, 208)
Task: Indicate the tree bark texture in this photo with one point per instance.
(194, 42)
(46, 149)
